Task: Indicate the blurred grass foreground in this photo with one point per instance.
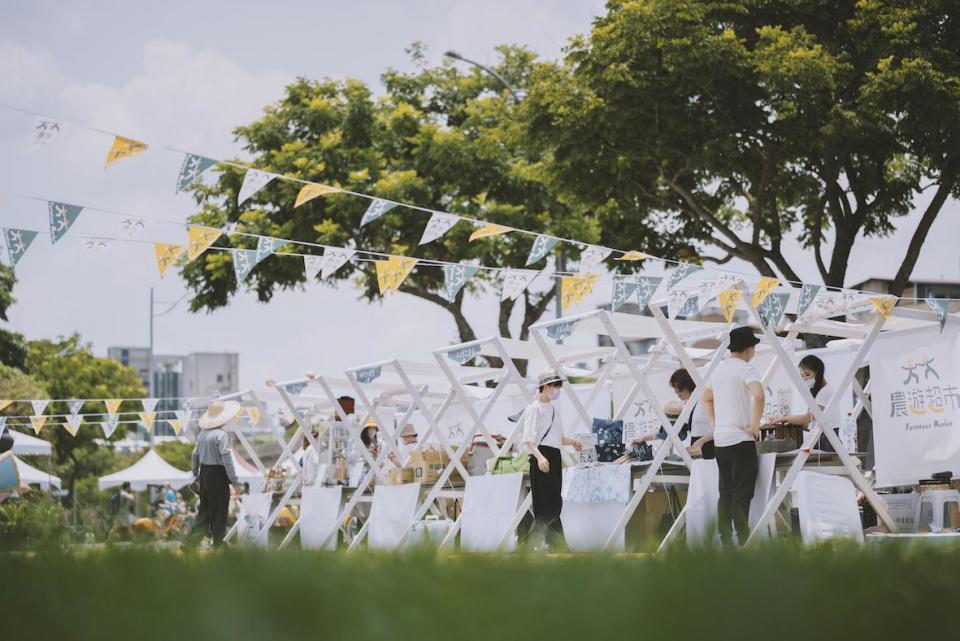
(780, 592)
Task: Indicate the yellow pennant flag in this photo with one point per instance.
(489, 230)
(254, 414)
(883, 305)
(200, 239)
(311, 191)
(392, 272)
(4, 405)
(633, 254)
(176, 425)
(148, 418)
(72, 424)
(573, 289)
(728, 300)
(124, 148)
(38, 422)
(764, 287)
(166, 255)
(113, 404)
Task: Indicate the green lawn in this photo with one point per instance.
(876, 592)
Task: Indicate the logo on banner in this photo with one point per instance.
(62, 217)
(377, 209)
(464, 354)
(369, 374)
(44, 131)
(438, 225)
(18, 240)
(193, 165)
(560, 331)
(542, 245)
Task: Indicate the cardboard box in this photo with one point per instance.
(400, 475)
(429, 464)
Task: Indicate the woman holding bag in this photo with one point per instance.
(543, 435)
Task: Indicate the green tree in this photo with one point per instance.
(440, 137)
(67, 369)
(13, 349)
(176, 454)
(742, 122)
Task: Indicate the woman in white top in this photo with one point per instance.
(812, 371)
(542, 436)
(697, 427)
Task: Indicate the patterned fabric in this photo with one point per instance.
(609, 439)
(600, 484)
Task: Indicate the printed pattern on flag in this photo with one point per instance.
(438, 225)
(772, 307)
(378, 207)
(62, 217)
(18, 241)
(333, 259)
(312, 266)
(560, 331)
(938, 305)
(267, 246)
(591, 258)
(808, 293)
(253, 181)
(516, 281)
(455, 277)
(623, 289)
(244, 260)
(44, 131)
(679, 273)
(542, 245)
(311, 191)
(464, 355)
(167, 255)
(200, 239)
(123, 148)
(368, 374)
(763, 289)
(574, 289)
(193, 165)
(728, 299)
(392, 272)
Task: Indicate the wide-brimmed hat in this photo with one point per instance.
(741, 338)
(408, 430)
(218, 414)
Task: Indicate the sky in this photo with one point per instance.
(183, 75)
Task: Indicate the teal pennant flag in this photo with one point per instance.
(62, 217)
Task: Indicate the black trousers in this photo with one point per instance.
(546, 494)
(738, 466)
(214, 504)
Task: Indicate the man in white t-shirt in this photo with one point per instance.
(734, 400)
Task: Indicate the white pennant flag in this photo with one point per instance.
(183, 416)
(676, 299)
(591, 257)
(94, 245)
(149, 404)
(130, 227)
(253, 181)
(333, 259)
(39, 406)
(110, 425)
(73, 423)
(516, 281)
(438, 225)
(44, 130)
(312, 266)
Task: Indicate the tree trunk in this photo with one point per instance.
(901, 280)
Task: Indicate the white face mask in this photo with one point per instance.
(811, 382)
(554, 394)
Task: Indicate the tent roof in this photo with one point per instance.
(32, 476)
(26, 445)
(149, 470)
(246, 471)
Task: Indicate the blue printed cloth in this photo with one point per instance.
(600, 484)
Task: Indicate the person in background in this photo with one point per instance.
(213, 467)
(812, 371)
(121, 505)
(733, 400)
(369, 437)
(542, 436)
(408, 442)
(696, 426)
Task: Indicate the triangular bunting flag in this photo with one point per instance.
(62, 216)
(175, 424)
(938, 305)
(312, 266)
(464, 355)
(39, 406)
(454, 278)
(244, 260)
(187, 404)
(438, 225)
(193, 165)
(378, 207)
(200, 239)
(392, 272)
(312, 190)
(253, 181)
(113, 404)
(772, 307)
(679, 273)
(591, 258)
(763, 289)
(623, 289)
(123, 148)
(110, 425)
(368, 374)
(148, 418)
(253, 414)
(44, 131)
(75, 406)
(93, 245)
(149, 404)
(4, 404)
(267, 246)
(561, 331)
(130, 227)
(333, 259)
(18, 240)
(37, 423)
(676, 299)
(516, 281)
(295, 389)
(807, 295)
(646, 288)
(883, 305)
(167, 255)
(574, 289)
(488, 231)
(690, 307)
(542, 245)
(633, 254)
(728, 300)
(72, 423)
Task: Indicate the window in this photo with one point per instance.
(219, 378)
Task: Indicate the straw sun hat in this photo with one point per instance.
(218, 414)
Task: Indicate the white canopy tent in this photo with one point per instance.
(26, 445)
(32, 476)
(149, 470)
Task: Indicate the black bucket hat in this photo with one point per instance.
(741, 338)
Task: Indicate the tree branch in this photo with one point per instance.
(920, 235)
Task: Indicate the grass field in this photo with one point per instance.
(875, 592)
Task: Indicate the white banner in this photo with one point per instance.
(916, 404)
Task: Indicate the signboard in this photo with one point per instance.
(916, 404)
